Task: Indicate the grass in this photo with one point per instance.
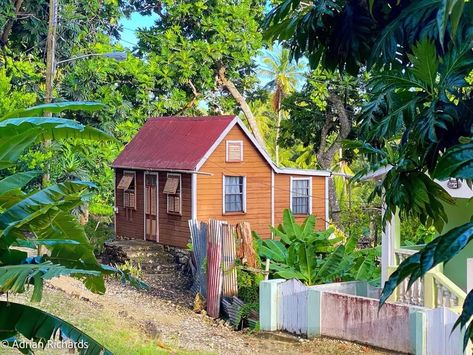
(117, 332)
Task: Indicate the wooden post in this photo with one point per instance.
(50, 72)
(429, 291)
(391, 241)
(469, 275)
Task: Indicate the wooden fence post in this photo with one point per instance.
(429, 291)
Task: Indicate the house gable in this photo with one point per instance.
(254, 167)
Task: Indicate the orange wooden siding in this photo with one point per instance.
(258, 185)
(258, 188)
(282, 198)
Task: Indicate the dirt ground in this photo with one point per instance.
(177, 328)
(129, 321)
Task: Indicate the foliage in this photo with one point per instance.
(248, 285)
(418, 119)
(40, 327)
(98, 233)
(191, 40)
(132, 267)
(45, 217)
(316, 257)
(309, 108)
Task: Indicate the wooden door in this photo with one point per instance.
(151, 207)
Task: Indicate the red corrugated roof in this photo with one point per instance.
(174, 143)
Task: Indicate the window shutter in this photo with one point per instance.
(172, 183)
(235, 151)
(125, 182)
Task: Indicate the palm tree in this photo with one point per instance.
(283, 75)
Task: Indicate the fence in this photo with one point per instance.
(349, 311)
(214, 247)
(431, 291)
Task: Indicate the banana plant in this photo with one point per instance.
(315, 257)
(41, 220)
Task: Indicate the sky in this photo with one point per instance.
(128, 38)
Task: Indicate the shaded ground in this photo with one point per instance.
(128, 321)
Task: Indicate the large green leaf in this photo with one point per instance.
(425, 63)
(56, 107)
(13, 145)
(331, 265)
(62, 225)
(274, 250)
(17, 181)
(14, 278)
(50, 128)
(457, 162)
(36, 325)
(289, 223)
(308, 225)
(65, 194)
(452, 9)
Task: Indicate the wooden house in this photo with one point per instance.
(181, 168)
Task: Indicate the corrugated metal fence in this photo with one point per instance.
(214, 249)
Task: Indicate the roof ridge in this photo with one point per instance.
(191, 118)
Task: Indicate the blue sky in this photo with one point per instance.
(130, 26)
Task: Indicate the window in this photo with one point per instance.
(301, 191)
(234, 151)
(174, 193)
(234, 189)
(128, 184)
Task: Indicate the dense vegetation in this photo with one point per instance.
(392, 77)
(417, 115)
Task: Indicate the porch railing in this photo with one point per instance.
(431, 291)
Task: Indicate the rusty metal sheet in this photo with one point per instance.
(177, 143)
(230, 286)
(214, 269)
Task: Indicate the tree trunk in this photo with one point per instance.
(326, 154)
(228, 84)
(278, 124)
(9, 24)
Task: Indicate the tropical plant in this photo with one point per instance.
(316, 257)
(419, 117)
(283, 75)
(41, 220)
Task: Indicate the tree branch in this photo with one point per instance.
(9, 25)
(231, 88)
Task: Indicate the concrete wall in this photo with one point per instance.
(325, 310)
(354, 288)
(356, 319)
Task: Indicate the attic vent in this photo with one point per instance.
(172, 183)
(125, 182)
(234, 151)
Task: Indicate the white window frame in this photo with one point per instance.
(223, 194)
(310, 193)
(227, 143)
(129, 172)
(180, 195)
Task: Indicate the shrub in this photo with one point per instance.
(98, 233)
